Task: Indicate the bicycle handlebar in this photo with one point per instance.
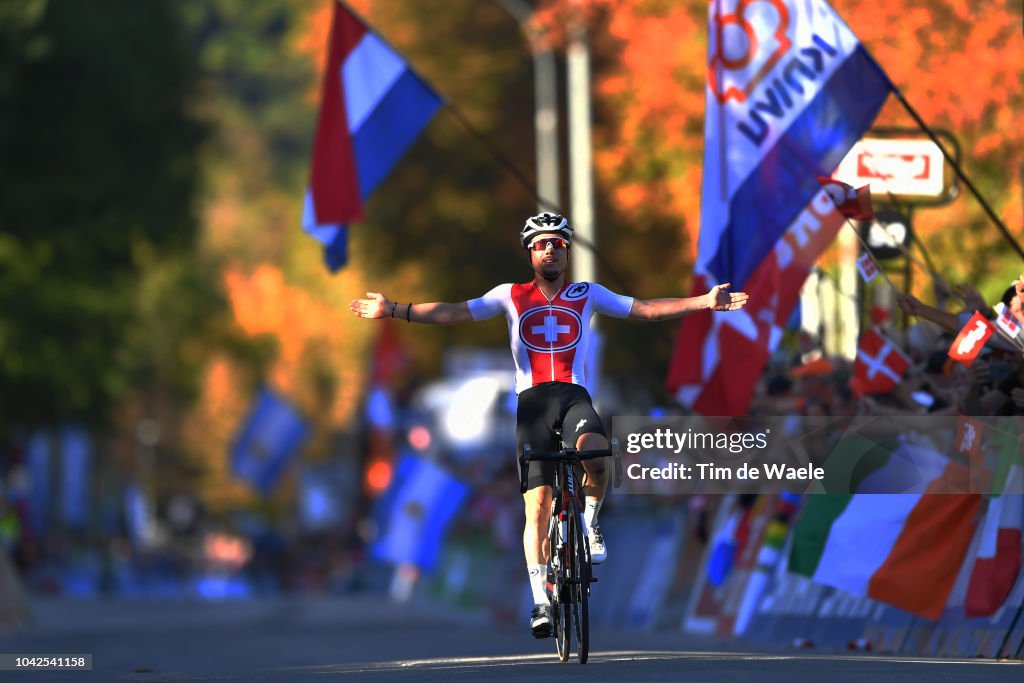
(570, 456)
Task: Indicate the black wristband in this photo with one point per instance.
(408, 312)
(393, 304)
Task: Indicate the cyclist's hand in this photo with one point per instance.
(376, 305)
(721, 300)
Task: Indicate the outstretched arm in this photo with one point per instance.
(716, 300)
(376, 305)
(911, 305)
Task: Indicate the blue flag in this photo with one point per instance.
(419, 504)
(373, 107)
(76, 460)
(271, 435)
(37, 456)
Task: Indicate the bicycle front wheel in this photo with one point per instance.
(578, 580)
(560, 614)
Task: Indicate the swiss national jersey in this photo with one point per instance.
(549, 338)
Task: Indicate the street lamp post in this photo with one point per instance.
(545, 88)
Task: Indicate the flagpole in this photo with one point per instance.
(956, 167)
(835, 282)
(928, 267)
(871, 256)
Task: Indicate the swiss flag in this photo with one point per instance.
(971, 340)
(880, 365)
(850, 201)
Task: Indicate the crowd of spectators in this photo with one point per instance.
(810, 383)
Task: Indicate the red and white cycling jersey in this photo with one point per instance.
(549, 338)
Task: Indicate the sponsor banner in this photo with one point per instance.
(887, 628)
(745, 566)
(618, 591)
(841, 618)
(653, 581)
(787, 610)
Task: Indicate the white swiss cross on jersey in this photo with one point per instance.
(549, 338)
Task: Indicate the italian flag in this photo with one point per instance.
(904, 549)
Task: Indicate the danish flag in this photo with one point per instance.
(880, 365)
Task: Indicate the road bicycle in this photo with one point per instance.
(570, 570)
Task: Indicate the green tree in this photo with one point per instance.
(98, 161)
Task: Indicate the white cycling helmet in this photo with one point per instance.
(544, 223)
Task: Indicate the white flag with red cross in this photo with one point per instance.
(879, 366)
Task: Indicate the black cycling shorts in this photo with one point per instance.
(544, 408)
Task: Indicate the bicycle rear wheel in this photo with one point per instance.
(578, 580)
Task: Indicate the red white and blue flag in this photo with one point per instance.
(790, 90)
(373, 107)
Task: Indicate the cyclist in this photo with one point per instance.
(548, 321)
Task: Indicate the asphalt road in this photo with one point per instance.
(370, 639)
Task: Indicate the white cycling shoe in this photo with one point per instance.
(598, 550)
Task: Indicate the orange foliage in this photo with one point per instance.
(308, 331)
(209, 429)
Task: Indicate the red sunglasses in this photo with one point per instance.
(555, 242)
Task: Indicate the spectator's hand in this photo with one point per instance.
(375, 306)
(971, 296)
(1017, 394)
(981, 373)
(908, 303)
